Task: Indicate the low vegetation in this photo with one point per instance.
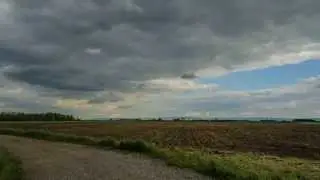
(240, 166)
(10, 166)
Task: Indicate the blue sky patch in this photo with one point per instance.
(266, 78)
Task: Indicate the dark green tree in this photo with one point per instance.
(50, 116)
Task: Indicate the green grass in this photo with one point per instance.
(10, 166)
(241, 166)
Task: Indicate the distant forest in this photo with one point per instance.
(18, 116)
(51, 116)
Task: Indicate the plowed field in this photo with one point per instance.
(288, 139)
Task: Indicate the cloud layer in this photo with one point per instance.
(112, 56)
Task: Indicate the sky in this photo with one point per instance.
(142, 58)
(267, 77)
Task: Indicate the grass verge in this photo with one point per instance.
(230, 167)
(10, 166)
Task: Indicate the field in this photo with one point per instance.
(294, 140)
(255, 148)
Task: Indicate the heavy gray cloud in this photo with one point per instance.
(77, 49)
(105, 97)
(189, 76)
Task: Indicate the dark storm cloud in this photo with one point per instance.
(53, 78)
(188, 76)
(10, 56)
(46, 41)
(105, 97)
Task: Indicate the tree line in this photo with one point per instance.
(50, 116)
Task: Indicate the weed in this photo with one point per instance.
(136, 146)
(10, 166)
(110, 142)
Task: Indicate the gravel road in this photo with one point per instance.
(43, 160)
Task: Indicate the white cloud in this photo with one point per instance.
(177, 84)
(297, 100)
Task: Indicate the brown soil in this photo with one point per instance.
(297, 140)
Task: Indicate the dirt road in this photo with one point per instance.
(43, 160)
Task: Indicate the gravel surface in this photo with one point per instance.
(43, 160)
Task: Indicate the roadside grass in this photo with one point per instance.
(240, 166)
(10, 166)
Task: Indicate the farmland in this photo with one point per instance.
(219, 149)
(291, 140)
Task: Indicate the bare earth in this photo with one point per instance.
(43, 160)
